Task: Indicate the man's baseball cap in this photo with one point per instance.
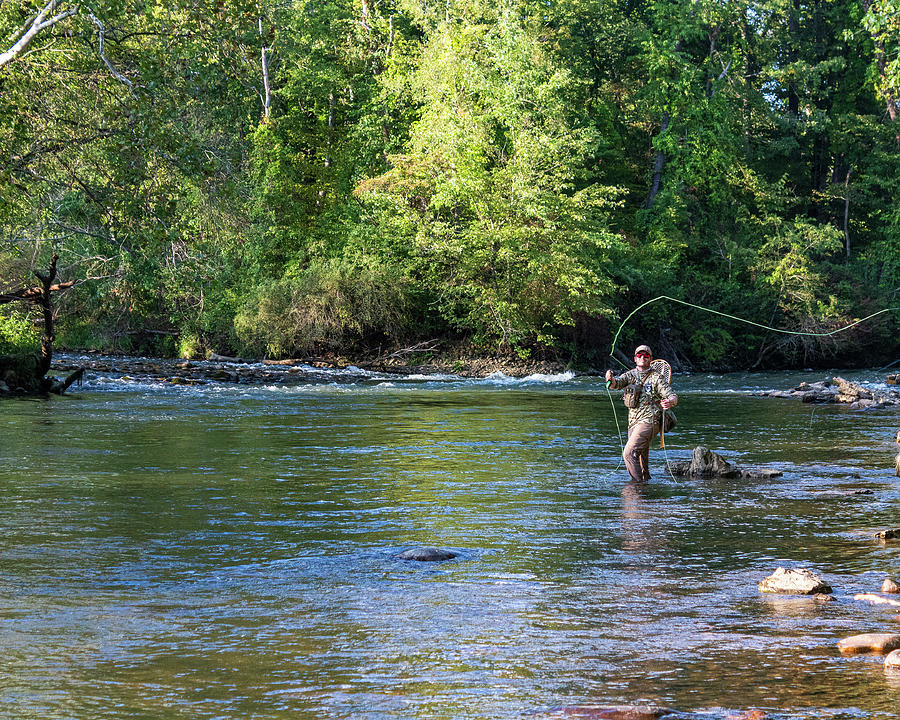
(644, 349)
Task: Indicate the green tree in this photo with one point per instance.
(504, 222)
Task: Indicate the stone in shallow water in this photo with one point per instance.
(615, 712)
(891, 534)
(881, 643)
(892, 661)
(890, 586)
(876, 599)
(426, 554)
(706, 463)
(794, 582)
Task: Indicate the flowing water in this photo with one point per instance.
(228, 551)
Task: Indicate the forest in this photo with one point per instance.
(285, 178)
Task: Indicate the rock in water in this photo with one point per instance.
(748, 715)
(794, 582)
(889, 586)
(876, 599)
(892, 534)
(426, 554)
(614, 712)
(881, 643)
(705, 463)
(892, 661)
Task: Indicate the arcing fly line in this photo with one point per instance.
(734, 317)
(612, 349)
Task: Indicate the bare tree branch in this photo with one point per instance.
(101, 33)
(33, 294)
(27, 32)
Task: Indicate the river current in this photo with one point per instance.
(229, 551)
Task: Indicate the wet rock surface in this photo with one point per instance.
(706, 463)
(199, 372)
(839, 390)
(889, 534)
(799, 581)
(426, 554)
(225, 369)
(748, 715)
(875, 599)
(878, 643)
(615, 712)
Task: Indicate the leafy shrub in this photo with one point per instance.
(331, 302)
(18, 334)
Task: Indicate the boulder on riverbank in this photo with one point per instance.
(799, 581)
(705, 463)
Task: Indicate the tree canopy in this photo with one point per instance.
(282, 177)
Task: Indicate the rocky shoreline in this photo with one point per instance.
(223, 369)
(839, 390)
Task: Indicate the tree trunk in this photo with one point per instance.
(658, 165)
(48, 336)
(794, 25)
(847, 212)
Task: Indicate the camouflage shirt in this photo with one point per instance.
(654, 389)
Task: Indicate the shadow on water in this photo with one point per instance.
(230, 552)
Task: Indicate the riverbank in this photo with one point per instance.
(219, 368)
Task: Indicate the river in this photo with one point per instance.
(228, 551)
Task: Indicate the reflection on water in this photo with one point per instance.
(228, 552)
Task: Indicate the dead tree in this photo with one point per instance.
(42, 295)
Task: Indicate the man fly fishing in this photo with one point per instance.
(648, 395)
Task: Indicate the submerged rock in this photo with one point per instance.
(876, 599)
(426, 554)
(615, 712)
(799, 581)
(880, 643)
(748, 715)
(706, 463)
